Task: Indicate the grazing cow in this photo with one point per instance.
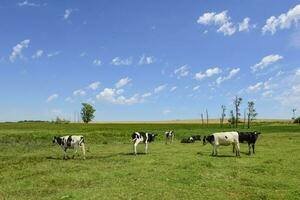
(188, 140)
(223, 139)
(138, 137)
(169, 136)
(250, 138)
(70, 142)
(196, 137)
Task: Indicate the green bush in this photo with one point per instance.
(297, 120)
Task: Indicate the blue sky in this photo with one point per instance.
(148, 60)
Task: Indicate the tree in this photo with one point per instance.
(293, 110)
(231, 120)
(251, 112)
(206, 117)
(223, 114)
(237, 102)
(87, 112)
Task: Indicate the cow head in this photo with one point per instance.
(57, 140)
(257, 133)
(207, 139)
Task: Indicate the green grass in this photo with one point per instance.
(32, 168)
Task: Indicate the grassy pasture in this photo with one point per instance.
(32, 168)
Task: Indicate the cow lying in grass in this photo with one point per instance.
(191, 139)
(250, 138)
(138, 137)
(223, 139)
(169, 136)
(70, 142)
(188, 140)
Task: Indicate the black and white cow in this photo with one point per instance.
(138, 137)
(70, 142)
(191, 139)
(223, 139)
(169, 136)
(188, 140)
(250, 138)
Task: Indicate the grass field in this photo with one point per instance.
(32, 168)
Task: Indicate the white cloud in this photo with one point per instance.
(227, 29)
(17, 50)
(148, 94)
(256, 87)
(94, 85)
(52, 97)
(244, 25)
(37, 54)
(196, 88)
(267, 93)
(231, 74)
(296, 88)
(146, 60)
(166, 111)
(160, 88)
(208, 73)
(173, 89)
(224, 23)
(182, 71)
(67, 13)
(283, 21)
(56, 53)
(118, 61)
(79, 92)
(27, 3)
(112, 95)
(97, 62)
(267, 60)
(298, 72)
(122, 82)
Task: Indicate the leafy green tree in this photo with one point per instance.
(231, 120)
(87, 112)
(251, 112)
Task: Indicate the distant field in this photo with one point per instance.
(32, 168)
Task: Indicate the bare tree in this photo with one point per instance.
(202, 118)
(251, 112)
(223, 107)
(244, 118)
(294, 111)
(206, 117)
(231, 120)
(237, 102)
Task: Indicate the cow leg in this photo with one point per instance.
(83, 150)
(237, 149)
(249, 147)
(65, 153)
(146, 147)
(137, 141)
(166, 140)
(253, 147)
(233, 148)
(75, 151)
(172, 138)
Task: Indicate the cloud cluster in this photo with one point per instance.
(67, 13)
(266, 61)
(231, 74)
(94, 85)
(160, 88)
(182, 71)
(119, 61)
(208, 73)
(37, 54)
(97, 62)
(17, 50)
(27, 3)
(224, 23)
(52, 97)
(122, 82)
(79, 92)
(283, 21)
(146, 60)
